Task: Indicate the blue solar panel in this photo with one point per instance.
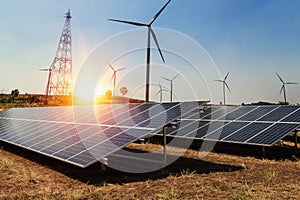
(279, 113)
(293, 117)
(207, 128)
(257, 113)
(240, 111)
(185, 127)
(228, 129)
(273, 134)
(82, 135)
(205, 112)
(220, 112)
(247, 132)
(259, 125)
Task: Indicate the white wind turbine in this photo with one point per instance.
(225, 85)
(150, 33)
(171, 85)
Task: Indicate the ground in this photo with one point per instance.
(222, 174)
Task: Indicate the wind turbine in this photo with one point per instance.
(114, 76)
(224, 85)
(283, 87)
(160, 91)
(150, 33)
(171, 82)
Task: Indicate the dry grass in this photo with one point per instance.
(25, 175)
(238, 175)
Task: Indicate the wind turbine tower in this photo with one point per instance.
(225, 85)
(283, 87)
(60, 72)
(171, 85)
(114, 76)
(160, 91)
(150, 33)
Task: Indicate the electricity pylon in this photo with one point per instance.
(60, 72)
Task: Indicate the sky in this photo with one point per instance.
(252, 39)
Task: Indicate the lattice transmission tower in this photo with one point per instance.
(60, 72)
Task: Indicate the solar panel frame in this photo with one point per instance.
(245, 133)
(278, 114)
(215, 135)
(191, 116)
(239, 111)
(265, 135)
(48, 144)
(292, 117)
(288, 118)
(153, 131)
(259, 108)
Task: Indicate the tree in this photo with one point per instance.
(15, 93)
(108, 94)
(123, 91)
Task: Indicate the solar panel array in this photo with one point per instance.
(82, 135)
(257, 125)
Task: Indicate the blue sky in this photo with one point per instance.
(251, 38)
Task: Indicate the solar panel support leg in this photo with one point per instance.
(142, 141)
(296, 141)
(263, 151)
(104, 162)
(165, 144)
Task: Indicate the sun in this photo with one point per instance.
(84, 93)
(88, 90)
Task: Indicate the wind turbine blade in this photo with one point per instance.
(44, 69)
(156, 42)
(175, 76)
(159, 91)
(158, 13)
(279, 77)
(282, 88)
(290, 83)
(111, 67)
(226, 76)
(128, 22)
(227, 86)
(219, 80)
(160, 88)
(120, 69)
(166, 78)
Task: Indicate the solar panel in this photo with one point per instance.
(227, 130)
(257, 125)
(294, 117)
(220, 112)
(82, 135)
(266, 136)
(240, 111)
(256, 113)
(279, 113)
(205, 112)
(247, 132)
(208, 128)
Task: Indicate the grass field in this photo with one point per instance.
(229, 175)
(230, 172)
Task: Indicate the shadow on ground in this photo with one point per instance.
(95, 176)
(275, 152)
